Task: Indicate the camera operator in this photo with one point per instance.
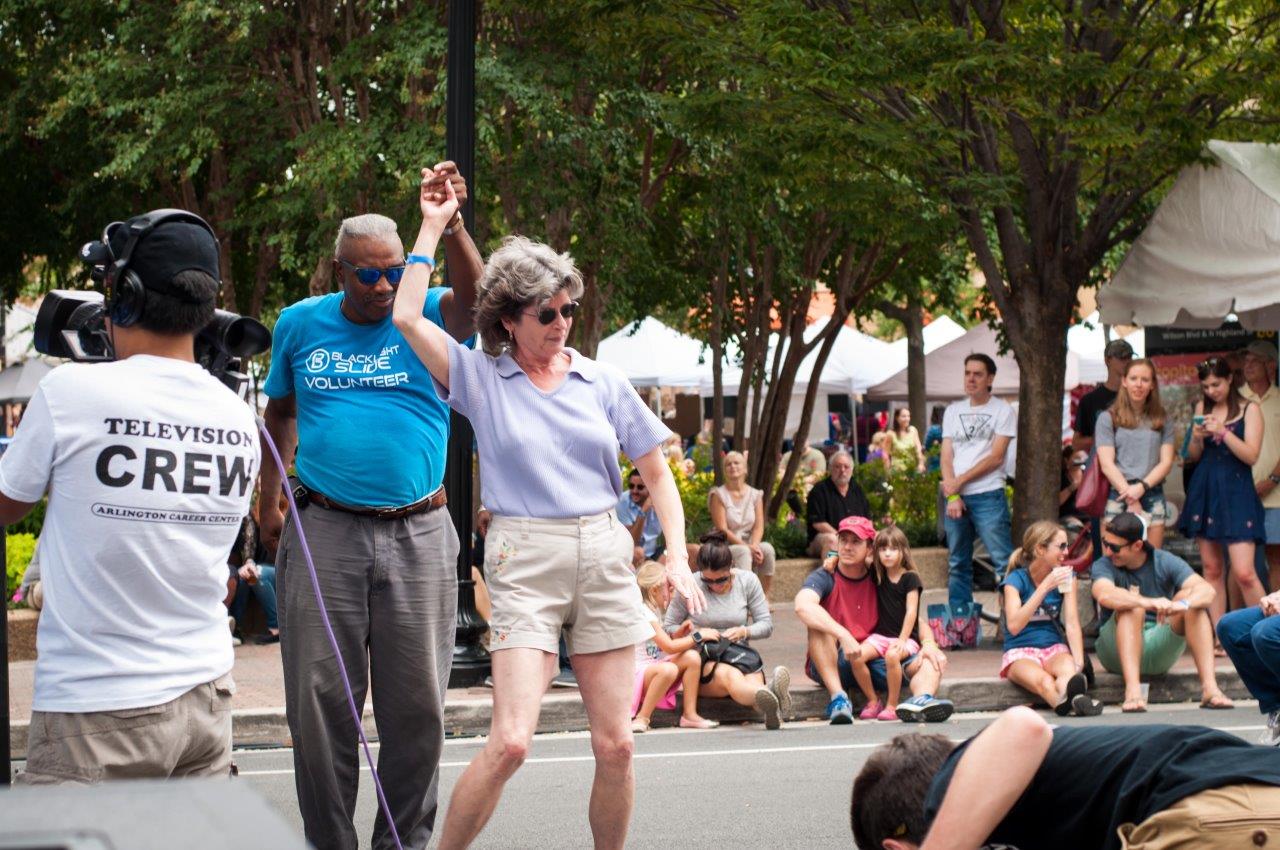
(149, 462)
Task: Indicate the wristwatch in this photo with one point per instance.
(1273, 478)
(697, 637)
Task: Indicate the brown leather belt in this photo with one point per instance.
(436, 500)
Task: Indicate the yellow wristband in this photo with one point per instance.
(953, 498)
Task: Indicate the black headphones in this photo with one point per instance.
(124, 293)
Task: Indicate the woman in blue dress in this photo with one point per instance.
(1222, 505)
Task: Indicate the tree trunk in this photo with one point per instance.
(718, 286)
(913, 321)
(1042, 361)
(321, 279)
(589, 326)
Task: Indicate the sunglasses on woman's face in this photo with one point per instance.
(370, 275)
(716, 581)
(547, 315)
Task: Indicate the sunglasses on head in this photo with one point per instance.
(547, 315)
(370, 276)
(717, 581)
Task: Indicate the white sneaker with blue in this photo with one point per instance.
(1271, 737)
(925, 708)
(840, 710)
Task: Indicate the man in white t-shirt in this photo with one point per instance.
(149, 463)
(976, 434)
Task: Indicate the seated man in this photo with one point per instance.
(1024, 783)
(637, 514)
(839, 610)
(1251, 636)
(830, 501)
(1153, 606)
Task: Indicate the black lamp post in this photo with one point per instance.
(470, 660)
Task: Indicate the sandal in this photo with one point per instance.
(1076, 686)
(639, 725)
(1134, 706)
(1217, 702)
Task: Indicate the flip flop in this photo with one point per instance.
(1135, 706)
(1217, 702)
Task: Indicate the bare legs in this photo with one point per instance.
(1241, 555)
(520, 675)
(1048, 682)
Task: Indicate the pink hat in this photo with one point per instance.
(859, 525)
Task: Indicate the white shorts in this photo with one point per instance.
(547, 574)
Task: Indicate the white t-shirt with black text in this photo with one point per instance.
(149, 463)
(971, 429)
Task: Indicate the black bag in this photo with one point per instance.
(731, 652)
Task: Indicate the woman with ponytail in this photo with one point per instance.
(1037, 594)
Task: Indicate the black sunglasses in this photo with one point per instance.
(370, 276)
(1113, 547)
(547, 315)
(720, 580)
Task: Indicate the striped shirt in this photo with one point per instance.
(549, 455)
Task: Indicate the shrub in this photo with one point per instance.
(909, 498)
(18, 551)
(32, 522)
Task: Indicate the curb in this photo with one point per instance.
(563, 711)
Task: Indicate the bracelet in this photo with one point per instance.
(451, 228)
(420, 258)
(953, 498)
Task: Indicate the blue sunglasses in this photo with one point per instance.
(371, 276)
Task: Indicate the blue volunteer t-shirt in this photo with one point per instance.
(1040, 632)
(371, 430)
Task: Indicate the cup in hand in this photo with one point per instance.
(1064, 576)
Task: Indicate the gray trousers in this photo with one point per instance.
(390, 587)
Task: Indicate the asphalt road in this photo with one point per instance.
(731, 787)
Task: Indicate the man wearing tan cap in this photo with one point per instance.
(1260, 380)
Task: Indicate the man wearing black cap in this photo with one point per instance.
(149, 463)
(1153, 607)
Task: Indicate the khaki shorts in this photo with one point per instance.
(187, 736)
(1229, 817)
(545, 575)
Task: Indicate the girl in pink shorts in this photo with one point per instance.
(664, 662)
(898, 592)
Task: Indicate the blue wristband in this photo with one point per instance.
(420, 258)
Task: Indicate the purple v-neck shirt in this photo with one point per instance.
(549, 455)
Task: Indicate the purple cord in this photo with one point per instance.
(328, 630)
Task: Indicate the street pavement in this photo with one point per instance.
(731, 787)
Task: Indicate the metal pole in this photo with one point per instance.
(470, 660)
(6, 752)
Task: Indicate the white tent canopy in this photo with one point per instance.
(1210, 249)
(1088, 342)
(652, 354)
(944, 370)
(937, 333)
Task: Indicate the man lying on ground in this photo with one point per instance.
(1022, 783)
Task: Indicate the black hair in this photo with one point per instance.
(889, 791)
(985, 360)
(631, 472)
(714, 554)
(171, 316)
(1220, 367)
(1128, 527)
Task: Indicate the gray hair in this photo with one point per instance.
(368, 226)
(520, 273)
(842, 454)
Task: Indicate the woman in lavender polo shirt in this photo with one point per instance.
(548, 423)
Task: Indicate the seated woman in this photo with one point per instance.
(737, 510)
(664, 663)
(1036, 592)
(736, 610)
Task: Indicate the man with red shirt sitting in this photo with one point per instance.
(839, 610)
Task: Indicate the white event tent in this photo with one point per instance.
(652, 354)
(944, 370)
(1088, 342)
(1210, 249)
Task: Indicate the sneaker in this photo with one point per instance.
(565, 679)
(767, 704)
(925, 708)
(871, 710)
(1271, 737)
(839, 710)
(1083, 705)
(781, 687)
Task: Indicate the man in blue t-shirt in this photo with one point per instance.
(1153, 607)
(357, 404)
(637, 513)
